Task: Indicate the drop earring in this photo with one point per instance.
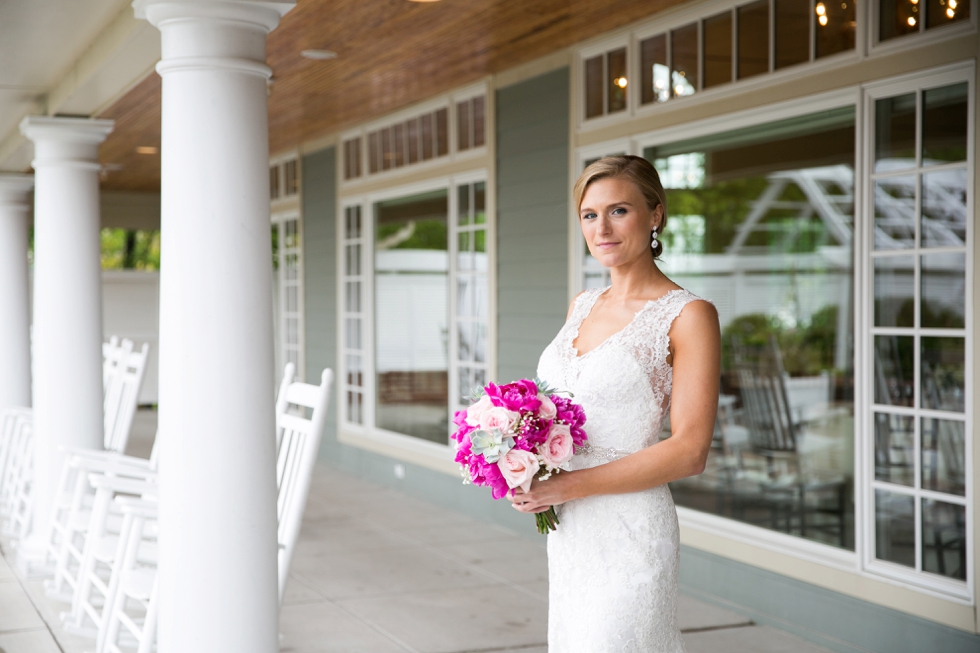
(653, 240)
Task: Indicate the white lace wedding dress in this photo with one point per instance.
(613, 561)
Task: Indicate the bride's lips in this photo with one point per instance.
(605, 245)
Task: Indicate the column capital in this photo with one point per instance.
(66, 142)
(68, 130)
(14, 188)
(257, 12)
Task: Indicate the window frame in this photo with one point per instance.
(368, 434)
(877, 47)
(925, 581)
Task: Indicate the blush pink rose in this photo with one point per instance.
(559, 448)
(547, 409)
(476, 411)
(518, 467)
(498, 417)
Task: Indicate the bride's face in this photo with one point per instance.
(617, 222)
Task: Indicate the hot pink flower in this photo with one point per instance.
(559, 447)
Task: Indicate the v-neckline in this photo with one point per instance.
(612, 336)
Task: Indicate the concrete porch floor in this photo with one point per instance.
(378, 571)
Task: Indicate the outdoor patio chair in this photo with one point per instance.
(134, 581)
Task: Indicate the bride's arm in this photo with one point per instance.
(696, 358)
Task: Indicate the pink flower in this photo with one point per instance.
(498, 418)
(547, 409)
(520, 396)
(559, 447)
(475, 412)
(518, 467)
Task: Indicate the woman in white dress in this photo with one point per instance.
(631, 353)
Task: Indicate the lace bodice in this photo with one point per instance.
(613, 560)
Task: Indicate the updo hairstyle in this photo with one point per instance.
(637, 170)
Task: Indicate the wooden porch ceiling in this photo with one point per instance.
(391, 53)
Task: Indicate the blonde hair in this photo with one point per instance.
(637, 170)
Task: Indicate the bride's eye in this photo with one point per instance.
(588, 216)
(619, 211)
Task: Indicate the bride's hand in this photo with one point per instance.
(543, 494)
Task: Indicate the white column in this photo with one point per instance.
(218, 548)
(67, 300)
(15, 319)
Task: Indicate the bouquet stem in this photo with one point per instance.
(547, 521)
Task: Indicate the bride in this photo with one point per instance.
(631, 353)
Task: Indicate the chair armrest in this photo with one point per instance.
(97, 454)
(125, 485)
(111, 467)
(137, 506)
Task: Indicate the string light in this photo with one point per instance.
(822, 20)
(911, 21)
(621, 82)
(950, 13)
(821, 9)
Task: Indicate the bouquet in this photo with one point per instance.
(514, 433)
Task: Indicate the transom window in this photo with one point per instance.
(900, 17)
(414, 273)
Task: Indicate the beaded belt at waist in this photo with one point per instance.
(605, 454)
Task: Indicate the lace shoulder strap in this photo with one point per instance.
(651, 340)
(583, 305)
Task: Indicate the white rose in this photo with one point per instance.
(518, 468)
(498, 417)
(547, 409)
(475, 412)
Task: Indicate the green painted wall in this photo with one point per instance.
(532, 220)
(827, 618)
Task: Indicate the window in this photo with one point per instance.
(919, 377)
(418, 138)
(424, 294)
(283, 179)
(900, 17)
(471, 131)
(606, 81)
(287, 292)
(352, 158)
(760, 222)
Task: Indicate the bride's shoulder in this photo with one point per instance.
(694, 317)
(579, 297)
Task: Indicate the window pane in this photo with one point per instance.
(387, 155)
(398, 141)
(374, 160)
(945, 12)
(442, 132)
(895, 528)
(753, 39)
(479, 202)
(897, 17)
(944, 291)
(895, 291)
(895, 133)
(895, 213)
(944, 456)
(943, 373)
(718, 50)
(836, 33)
(593, 87)
(785, 425)
(894, 370)
(274, 182)
(427, 137)
(684, 46)
(654, 74)
(463, 198)
(792, 32)
(944, 539)
(944, 209)
(463, 125)
(944, 124)
(616, 74)
(411, 303)
(465, 255)
(479, 121)
(895, 449)
(412, 131)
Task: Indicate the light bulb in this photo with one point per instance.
(821, 9)
(678, 90)
(620, 82)
(950, 12)
(911, 21)
(822, 20)
(952, 4)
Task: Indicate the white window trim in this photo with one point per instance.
(864, 487)
(850, 561)
(448, 102)
(367, 435)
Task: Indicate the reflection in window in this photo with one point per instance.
(411, 268)
(654, 73)
(900, 17)
(718, 49)
(684, 58)
(753, 39)
(835, 26)
(792, 32)
(761, 223)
